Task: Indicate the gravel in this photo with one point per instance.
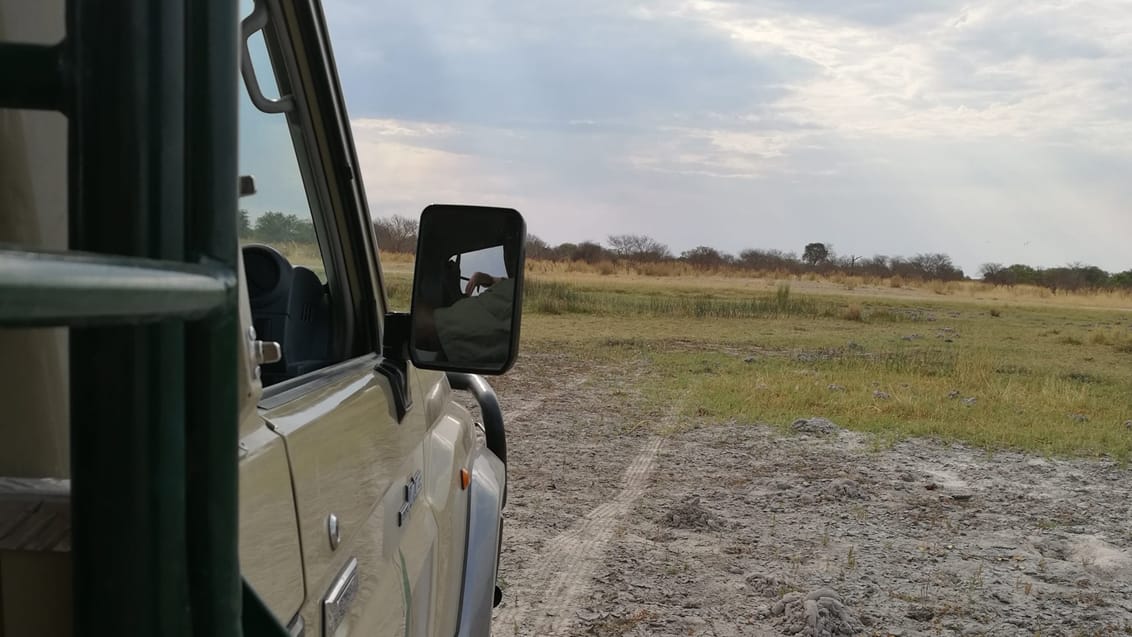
(626, 520)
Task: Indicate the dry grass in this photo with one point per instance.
(732, 281)
(998, 367)
(304, 254)
(1037, 376)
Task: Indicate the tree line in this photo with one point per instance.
(1070, 278)
(276, 227)
(816, 257)
(399, 234)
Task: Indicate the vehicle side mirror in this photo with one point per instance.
(467, 289)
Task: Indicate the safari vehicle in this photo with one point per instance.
(201, 437)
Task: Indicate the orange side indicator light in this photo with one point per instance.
(465, 478)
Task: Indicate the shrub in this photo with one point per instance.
(782, 294)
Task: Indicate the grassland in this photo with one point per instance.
(1000, 368)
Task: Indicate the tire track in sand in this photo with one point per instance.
(564, 571)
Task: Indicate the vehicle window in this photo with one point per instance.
(279, 213)
(286, 274)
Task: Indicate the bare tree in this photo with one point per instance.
(993, 272)
(706, 257)
(638, 247)
(396, 234)
(936, 266)
(537, 248)
(766, 260)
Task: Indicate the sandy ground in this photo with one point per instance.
(613, 528)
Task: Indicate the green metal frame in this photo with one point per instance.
(149, 292)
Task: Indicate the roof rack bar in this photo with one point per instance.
(39, 288)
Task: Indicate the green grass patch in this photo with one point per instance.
(1047, 380)
(557, 297)
(953, 395)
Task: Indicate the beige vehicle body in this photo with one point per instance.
(369, 501)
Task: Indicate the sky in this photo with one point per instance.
(993, 131)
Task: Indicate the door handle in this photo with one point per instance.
(341, 595)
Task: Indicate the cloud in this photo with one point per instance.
(1007, 69)
(545, 65)
(406, 167)
(882, 127)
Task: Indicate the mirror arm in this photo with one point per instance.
(394, 361)
(395, 340)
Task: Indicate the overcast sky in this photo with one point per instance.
(993, 131)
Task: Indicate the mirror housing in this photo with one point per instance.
(467, 289)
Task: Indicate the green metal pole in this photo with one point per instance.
(212, 427)
(128, 402)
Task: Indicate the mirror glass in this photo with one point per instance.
(465, 291)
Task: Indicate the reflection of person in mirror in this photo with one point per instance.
(478, 328)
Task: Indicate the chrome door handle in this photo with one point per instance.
(343, 591)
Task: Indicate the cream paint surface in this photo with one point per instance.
(33, 197)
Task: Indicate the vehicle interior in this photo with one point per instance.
(290, 306)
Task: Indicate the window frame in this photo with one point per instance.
(298, 50)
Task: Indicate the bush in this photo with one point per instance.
(782, 295)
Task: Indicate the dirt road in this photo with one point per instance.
(615, 527)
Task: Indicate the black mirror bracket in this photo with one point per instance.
(394, 361)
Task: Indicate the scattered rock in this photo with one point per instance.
(969, 401)
(931, 486)
(920, 614)
(818, 426)
(589, 615)
(749, 359)
(817, 614)
(844, 490)
(1128, 424)
(1079, 417)
(962, 497)
(912, 337)
(953, 394)
(835, 387)
(690, 515)
(881, 395)
(770, 584)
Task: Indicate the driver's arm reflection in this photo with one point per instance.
(474, 329)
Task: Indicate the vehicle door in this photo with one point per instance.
(372, 461)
